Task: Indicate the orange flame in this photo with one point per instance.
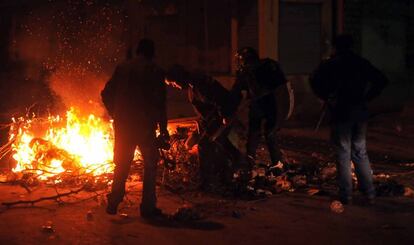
(52, 146)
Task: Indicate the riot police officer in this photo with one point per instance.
(259, 78)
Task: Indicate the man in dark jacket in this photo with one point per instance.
(259, 78)
(346, 82)
(135, 97)
(212, 102)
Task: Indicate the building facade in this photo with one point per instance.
(205, 35)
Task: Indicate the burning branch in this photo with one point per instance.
(6, 149)
(71, 151)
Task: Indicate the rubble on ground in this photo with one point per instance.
(337, 207)
(389, 187)
(261, 182)
(48, 227)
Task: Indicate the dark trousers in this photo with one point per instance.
(217, 158)
(350, 143)
(263, 110)
(125, 143)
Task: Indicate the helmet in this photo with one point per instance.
(246, 56)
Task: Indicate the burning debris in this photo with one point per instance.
(73, 144)
(76, 151)
(72, 152)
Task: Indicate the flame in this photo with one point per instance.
(70, 144)
(58, 144)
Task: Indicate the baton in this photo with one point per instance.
(322, 116)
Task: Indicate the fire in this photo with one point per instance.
(57, 144)
(76, 144)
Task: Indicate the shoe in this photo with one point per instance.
(149, 214)
(112, 207)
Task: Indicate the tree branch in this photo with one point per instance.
(54, 197)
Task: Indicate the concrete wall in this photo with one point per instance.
(383, 34)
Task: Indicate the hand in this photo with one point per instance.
(164, 134)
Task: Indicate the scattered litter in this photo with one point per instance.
(264, 181)
(313, 191)
(282, 183)
(123, 215)
(89, 215)
(277, 169)
(328, 172)
(337, 207)
(408, 192)
(382, 176)
(48, 227)
(299, 181)
(389, 188)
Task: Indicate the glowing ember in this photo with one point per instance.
(55, 145)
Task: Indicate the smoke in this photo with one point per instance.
(78, 43)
